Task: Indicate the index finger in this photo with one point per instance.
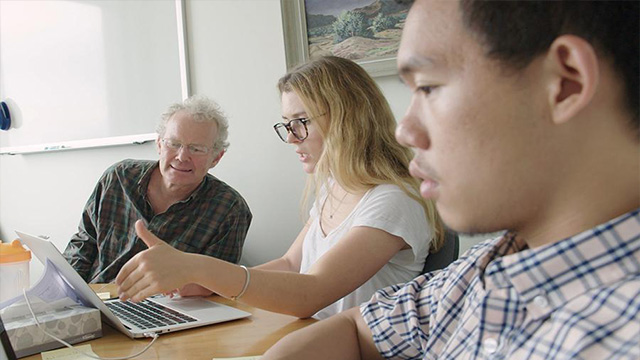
(125, 272)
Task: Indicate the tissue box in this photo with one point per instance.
(71, 324)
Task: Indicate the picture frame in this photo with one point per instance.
(297, 44)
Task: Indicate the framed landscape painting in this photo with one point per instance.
(366, 31)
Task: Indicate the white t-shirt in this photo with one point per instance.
(384, 207)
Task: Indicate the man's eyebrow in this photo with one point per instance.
(414, 63)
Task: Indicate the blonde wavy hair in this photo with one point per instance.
(358, 128)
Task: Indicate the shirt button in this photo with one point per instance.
(541, 301)
(490, 345)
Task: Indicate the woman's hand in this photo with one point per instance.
(189, 290)
(194, 290)
(159, 269)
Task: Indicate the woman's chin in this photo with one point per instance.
(308, 168)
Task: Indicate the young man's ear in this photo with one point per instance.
(574, 79)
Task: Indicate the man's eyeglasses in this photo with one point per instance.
(193, 149)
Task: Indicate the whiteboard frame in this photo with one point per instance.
(185, 88)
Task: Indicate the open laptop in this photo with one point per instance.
(155, 315)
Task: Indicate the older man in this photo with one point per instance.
(177, 198)
(524, 117)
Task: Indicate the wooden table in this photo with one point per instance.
(246, 337)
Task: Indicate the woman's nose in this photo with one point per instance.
(291, 139)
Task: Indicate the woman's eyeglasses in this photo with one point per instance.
(297, 127)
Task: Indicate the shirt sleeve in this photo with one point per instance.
(82, 250)
(399, 316)
(390, 209)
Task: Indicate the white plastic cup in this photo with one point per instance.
(14, 269)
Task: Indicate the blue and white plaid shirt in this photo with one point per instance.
(578, 298)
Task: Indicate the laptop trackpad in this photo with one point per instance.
(188, 304)
(199, 308)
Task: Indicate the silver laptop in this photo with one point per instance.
(155, 315)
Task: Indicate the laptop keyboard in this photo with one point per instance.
(147, 314)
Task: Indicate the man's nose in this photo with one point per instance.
(183, 153)
(412, 131)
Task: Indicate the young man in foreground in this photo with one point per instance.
(524, 116)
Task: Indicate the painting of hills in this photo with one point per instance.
(359, 30)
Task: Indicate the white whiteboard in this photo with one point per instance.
(89, 72)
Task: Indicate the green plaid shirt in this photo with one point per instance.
(213, 220)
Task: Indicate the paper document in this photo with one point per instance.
(69, 354)
(49, 293)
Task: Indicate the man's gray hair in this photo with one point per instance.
(202, 109)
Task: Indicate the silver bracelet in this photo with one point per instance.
(246, 283)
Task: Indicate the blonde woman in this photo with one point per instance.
(368, 227)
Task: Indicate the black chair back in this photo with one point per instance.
(446, 255)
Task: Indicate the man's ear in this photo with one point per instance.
(158, 140)
(574, 76)
(216, 160)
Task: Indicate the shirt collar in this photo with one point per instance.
(568, 268)
(204, 184)
(143, 184)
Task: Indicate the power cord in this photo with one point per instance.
(149, 335)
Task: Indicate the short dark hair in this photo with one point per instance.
(516, 32)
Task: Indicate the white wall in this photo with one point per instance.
(237, 56)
